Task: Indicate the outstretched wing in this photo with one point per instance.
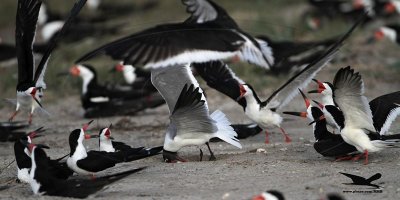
(206, 11)
(219, 76)
(190, 115)
(289, 90)
(354, 178)
(41, 69)
(27, 15)
(384, 111)
(172, 44)
(375, 177)
(349, 96)
(169, 82)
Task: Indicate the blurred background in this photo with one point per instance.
(379, 62)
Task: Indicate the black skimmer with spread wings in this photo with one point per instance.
(359, 128)
(11, 131)
(358, 180)
(292, 57)
(264, 113)
(44, 183)
(107, 144)
(326, 143)
(30, 81)
(190, 121)
(99, 100)
(208, 34)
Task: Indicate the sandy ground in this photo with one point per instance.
(295, 169)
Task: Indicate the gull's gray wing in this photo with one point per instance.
(190, 115)
(289, 90)
(203, 11)
(349, 96)
(169, 81)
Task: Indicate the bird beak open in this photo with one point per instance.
(86, 126)
(35, 133)
(242, 92)
(306, 100)
(321, 87)
(299, 114)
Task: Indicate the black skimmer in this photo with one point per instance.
(22, 155)
(30, 82)
(269, 195)
(359, 128)
(209, 34)
(384, 109)
(190, 121)
(349, 10)
(44, 183)
(107, 144)
(10, 131)
(392, 7)
(358, 180)
(221, 78)
(391, 32)
(326, 143)
(99, 100)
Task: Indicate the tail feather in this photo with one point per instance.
(133, 154)
(225, 131)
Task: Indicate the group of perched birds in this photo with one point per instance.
(158, 65)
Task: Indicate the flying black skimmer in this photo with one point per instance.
(22, 155)
(359, 128)
(31, 82)
(160, 46)
(190, 121)
(10, 131)
(107, 144)
(358, 180)
(264, 113)
(269, 195)
(326, 143)
(391, 32)
(44, 183)
(292, 57)
(99, 100)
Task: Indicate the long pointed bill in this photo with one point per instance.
(242, 92)
(74, 70)
(317, 120)
(299, 114)
(35, 133)
(37, 101)
(313, 91)
(86, 126)
(319, 104)
(321, 86)
(87, 137)
(306, 100)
